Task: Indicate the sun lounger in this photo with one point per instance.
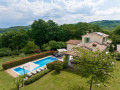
(25, 78)
(42, 68)
(33, 72)
(29, 74)
(38, 70)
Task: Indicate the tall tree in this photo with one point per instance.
(81, 29)
(97, 66)
(69, 31)
(115, 46)
(54, 32)
(39, 31)
(111, 48)
(117, 30)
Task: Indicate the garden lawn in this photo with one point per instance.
(6, 81)
(68, 79)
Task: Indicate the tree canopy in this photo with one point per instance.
(14, 39)
(97, 66)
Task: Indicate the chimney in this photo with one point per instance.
(87, 32)
(94, 47)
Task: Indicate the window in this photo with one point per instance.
(104, 39)
(86, 40)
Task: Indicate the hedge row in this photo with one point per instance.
(25, 60)
(36, 77)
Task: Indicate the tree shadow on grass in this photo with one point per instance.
(55, 73)
(1, 70)
(72, 71)
(77, 87)
(14, 88)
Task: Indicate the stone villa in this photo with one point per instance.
(92, 41)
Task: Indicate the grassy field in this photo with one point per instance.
(6, 81)
(68, 79)
(57, 81)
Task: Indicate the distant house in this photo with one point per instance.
(92, 41)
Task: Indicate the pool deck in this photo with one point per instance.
(15, 75)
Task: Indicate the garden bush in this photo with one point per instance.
(36, 77)
(58, 66)
(22, 55)
(30, 47)
(5, 52)
(50, 66)
(25, 60)
(55, 65)
(53, 45)
(37, 51)
(65, 61)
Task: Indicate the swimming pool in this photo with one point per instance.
(21, 71)
(40, 63)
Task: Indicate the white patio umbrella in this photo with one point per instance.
(29, 66)
(61, 50)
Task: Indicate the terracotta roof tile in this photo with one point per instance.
(100, 47)
(74, 42)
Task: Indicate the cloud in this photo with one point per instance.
(24, 12)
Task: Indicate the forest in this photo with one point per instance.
(48, 35)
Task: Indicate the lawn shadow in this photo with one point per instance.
(14, 88)
(72, 71)
(55, 73)
(1, 70)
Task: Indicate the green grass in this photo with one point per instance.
(67, 79)
(6, 81)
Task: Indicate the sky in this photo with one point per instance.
(24, 12)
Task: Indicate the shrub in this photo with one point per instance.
(53, 45)
(37, 51)
(50, 66)
(22, 55)
(58, 66)
(65, 61)
(48, 48)
(55, 65)
(25, 60)
(16, 52)
(111, 48)
(5, 52)
(29, 48)
(115, 46)
(36, 77)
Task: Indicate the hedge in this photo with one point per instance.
(36, 77)
(26, 59)
(55, 65)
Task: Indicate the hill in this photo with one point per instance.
(14, 28)
(107, 24)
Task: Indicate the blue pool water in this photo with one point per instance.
(41, 63)
(21, 71)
